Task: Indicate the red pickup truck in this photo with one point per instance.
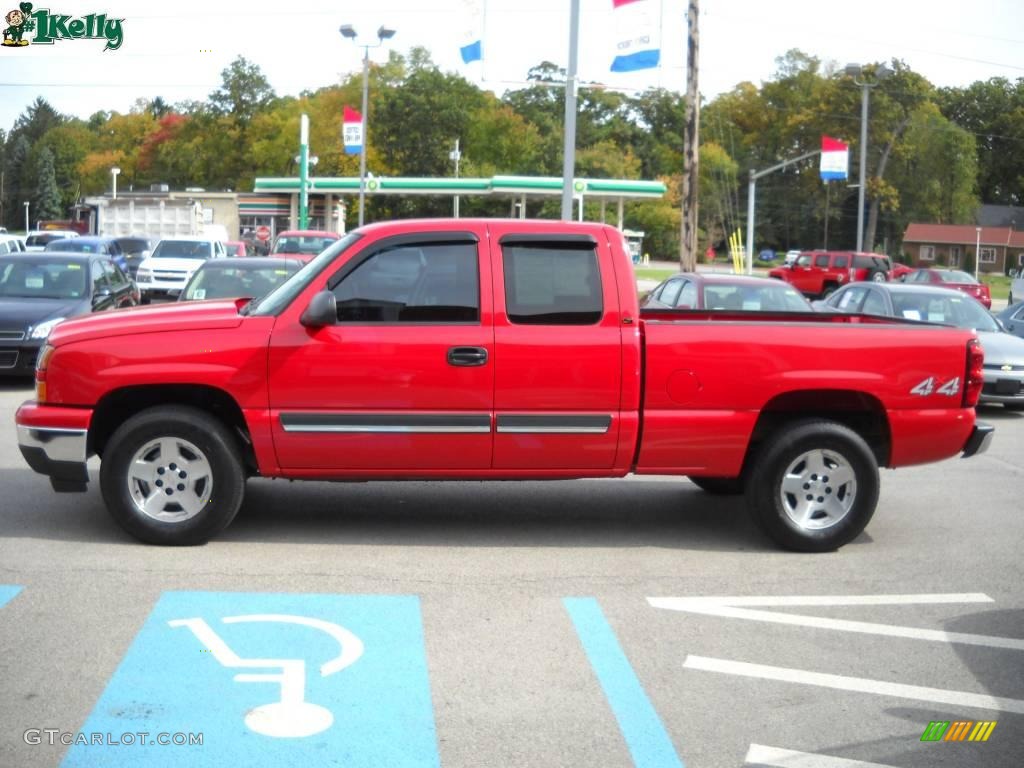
(492, 349)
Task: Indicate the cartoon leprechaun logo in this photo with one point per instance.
(18, 23)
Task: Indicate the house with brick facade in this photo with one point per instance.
(951, 245)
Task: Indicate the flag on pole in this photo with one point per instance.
(352, 131)
(835, 159)
(472, 38)
(637, 43)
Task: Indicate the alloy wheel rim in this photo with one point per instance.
(170, 480)
(818, 489)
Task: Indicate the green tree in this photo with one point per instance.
(36, 120)
(15, 169)
(244, 92)
(46, 198)
(993, 111)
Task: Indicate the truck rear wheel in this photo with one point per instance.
(172, 475)
(814, 486)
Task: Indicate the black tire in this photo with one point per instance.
(720, 486)
(878, 276)
(829, 290)
(825, 525)
(188, 428)
(145, 300)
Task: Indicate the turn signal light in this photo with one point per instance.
(41, 362)
(974, 379)
(44, 357)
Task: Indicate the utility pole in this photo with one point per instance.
(569, 138)
(455, 155)
(691, 142)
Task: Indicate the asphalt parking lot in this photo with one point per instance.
(588, 623)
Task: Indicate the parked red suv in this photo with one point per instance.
(820, 273)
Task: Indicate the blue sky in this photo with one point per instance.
(177, 50)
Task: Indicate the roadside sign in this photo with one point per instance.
(835, 158)
(352, 131)
(270, 680)
(263, 232)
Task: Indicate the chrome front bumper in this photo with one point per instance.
(59, 453)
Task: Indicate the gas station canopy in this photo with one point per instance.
(513, 186)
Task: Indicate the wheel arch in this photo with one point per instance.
(117, 406)
(860, 411)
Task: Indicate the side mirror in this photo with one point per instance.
(322, 311)
(100, 295)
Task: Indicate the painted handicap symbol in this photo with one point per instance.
(292, 716)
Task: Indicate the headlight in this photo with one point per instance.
(42, 330)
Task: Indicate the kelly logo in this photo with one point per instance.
(49, 27)
(960, 730)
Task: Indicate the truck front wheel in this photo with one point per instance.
(172, 475)
(814, 486)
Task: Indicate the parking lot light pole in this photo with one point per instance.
(383, 33)
(113, 175)
(977, 251)
(882, 72)
(26, 218)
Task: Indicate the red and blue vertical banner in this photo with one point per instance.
(637, 41)
(352, 131)
(835, 159)
(471, 43)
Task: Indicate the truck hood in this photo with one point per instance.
(177, 316)
(1000, 348)
(172, 264)
(20, 314)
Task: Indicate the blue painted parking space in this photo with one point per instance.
(7, 594)
(645, 735)
(269, 680)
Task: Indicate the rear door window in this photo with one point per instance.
(821, 260)
(555, 283)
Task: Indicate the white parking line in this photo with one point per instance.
(758, 754)
(859, 684)
(729, 607)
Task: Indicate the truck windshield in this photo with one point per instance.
(182, 249)
(283, 295)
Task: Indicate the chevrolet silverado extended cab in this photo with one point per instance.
(491, 349)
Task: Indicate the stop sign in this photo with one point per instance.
(263, 233)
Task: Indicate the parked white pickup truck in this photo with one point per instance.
(1017, 286)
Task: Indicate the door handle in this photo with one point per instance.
(467, 356)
